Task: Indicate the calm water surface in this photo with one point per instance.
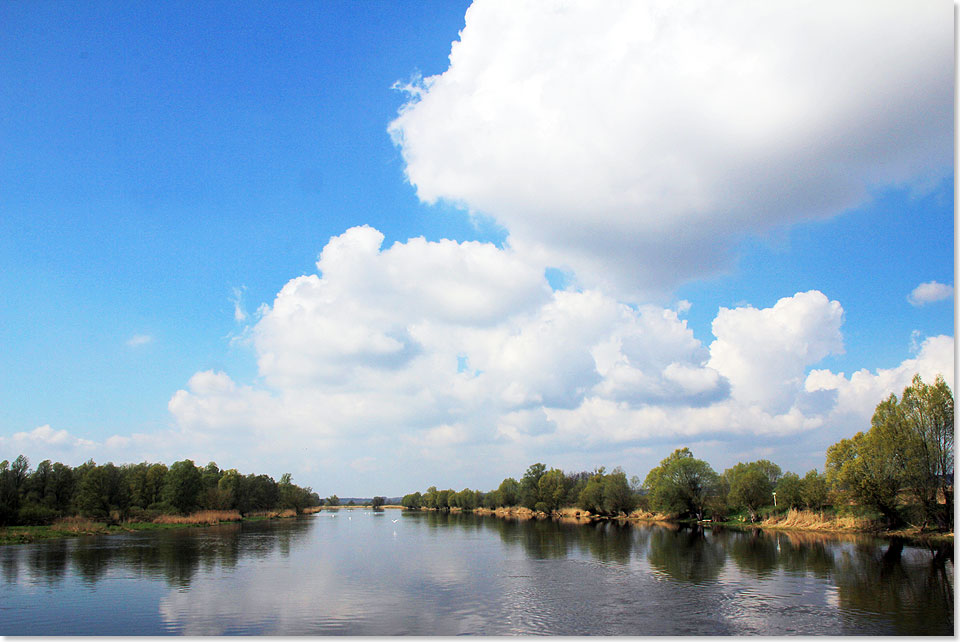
(391, 573)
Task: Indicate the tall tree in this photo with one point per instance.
(909, 449)
(751, 485)
(682, 484)
(182, 485)
(530, 485)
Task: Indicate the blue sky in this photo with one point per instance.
(165, 167)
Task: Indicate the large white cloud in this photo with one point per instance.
(636, 141)
(456, 390)
(764, 353)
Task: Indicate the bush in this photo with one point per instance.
(36, 515)
(137, 514)
(162, 508)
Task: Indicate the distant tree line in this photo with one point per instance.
(902, 468)
(137, 491)
(540, 489)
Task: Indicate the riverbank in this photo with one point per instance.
(809, 521)
(792, 520)
(80, 526)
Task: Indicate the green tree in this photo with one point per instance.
(378, 502)
(509, 492)
(752, 485)
(153, 488)
(429, 499)
(293, 496)
(790, 491)
(62, 485)
(442, 499)
(927, 414)
(333, 500)
(864, 470)
(102, 493)
(182, 485)
(908, 449)
(618, 497)
(411, 501)
(814, 490)
(682, 484)
(591, 497)
(551, 491)
(9, 497)
(530, 485)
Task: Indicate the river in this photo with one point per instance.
(357, 572)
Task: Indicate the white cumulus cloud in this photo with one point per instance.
(370, 356)
(929, 293)
(635, 142)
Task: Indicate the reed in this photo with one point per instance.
(209, 517)
(810, 520)
(79, 525)
(273, 514)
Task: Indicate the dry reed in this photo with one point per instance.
(203, 517)
(78, 524)
(810, 520)
(274, 514)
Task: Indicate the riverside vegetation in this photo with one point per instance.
(55, 500)
(896, 477)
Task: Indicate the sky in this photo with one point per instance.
(383, 246)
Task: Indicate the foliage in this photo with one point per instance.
(682, 484)
(378, 502)
(411, 501)
(751, 485)
(790, 491)
(607, 494)
(908, 449)
(530, 485)
(509, 492)
(181, 486)
(109, 493)
(814, 490)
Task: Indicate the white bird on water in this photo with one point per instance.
(395, 521)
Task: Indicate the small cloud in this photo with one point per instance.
(930, 292)
(139, 340)
(239, 314)
(48, 437)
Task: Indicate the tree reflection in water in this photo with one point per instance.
(175, 555)
(686, 554)
(724, 580)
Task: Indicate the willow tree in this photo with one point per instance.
(682, 484)
(907, 453)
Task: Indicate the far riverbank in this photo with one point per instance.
(79, 526)
(792, 520)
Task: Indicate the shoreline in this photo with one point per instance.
(833, 526)
(81, 527)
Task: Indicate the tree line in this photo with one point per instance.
(902, 468)
(141, 491)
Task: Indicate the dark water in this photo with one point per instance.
(361, 573)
